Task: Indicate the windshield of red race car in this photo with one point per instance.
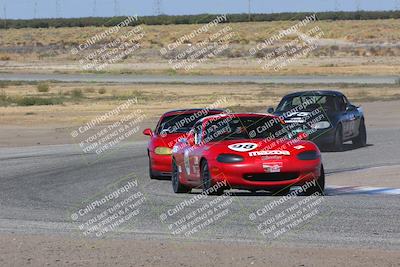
(252, 127)
(180, 123)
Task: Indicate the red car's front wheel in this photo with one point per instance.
(319, 185)
(177, 186)
(207, 182)
(151, 173)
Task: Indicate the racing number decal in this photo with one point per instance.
(303, 114)
(300, 114)
(242, 147)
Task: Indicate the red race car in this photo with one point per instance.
(245, 151)
(172, 125)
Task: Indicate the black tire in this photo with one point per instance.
(177, 186)
(338, 141)
(320, 184)
(206, 180)
(361, 139)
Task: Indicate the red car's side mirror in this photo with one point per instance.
(148, 131)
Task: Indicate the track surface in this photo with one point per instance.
(291, 79)
(40, 186)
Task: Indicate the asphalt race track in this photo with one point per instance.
(116, 78)
(41, 186)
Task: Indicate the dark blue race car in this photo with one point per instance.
(326, 117)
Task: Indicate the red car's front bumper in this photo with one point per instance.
(161, 164)
(254, 176)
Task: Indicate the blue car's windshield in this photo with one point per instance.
(311, 102)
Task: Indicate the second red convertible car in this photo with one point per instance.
(245, 151)
(172, 125)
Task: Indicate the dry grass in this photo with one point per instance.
(355, 31)
(348, 48)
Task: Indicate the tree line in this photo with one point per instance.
(191, 19)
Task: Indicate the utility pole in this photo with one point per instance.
(35, 9)
(5, 14)
(116, 8)
(337, 5)
(157, 7)
(249, 7)
(358, 5)
(58, 8)
(94, 8)
(358, 8)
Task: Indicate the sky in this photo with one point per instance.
(25, 9)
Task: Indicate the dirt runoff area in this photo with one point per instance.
(55, 250)
(380, 114)
(23, 124)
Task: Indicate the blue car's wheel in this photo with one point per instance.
(338, 141)
(361, 139)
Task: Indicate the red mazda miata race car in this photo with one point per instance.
(172, 125)
(245, 151)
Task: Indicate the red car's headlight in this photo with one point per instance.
(163, 150)
(309, 155)
(229, 158)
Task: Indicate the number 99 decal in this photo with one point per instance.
(242, 147)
